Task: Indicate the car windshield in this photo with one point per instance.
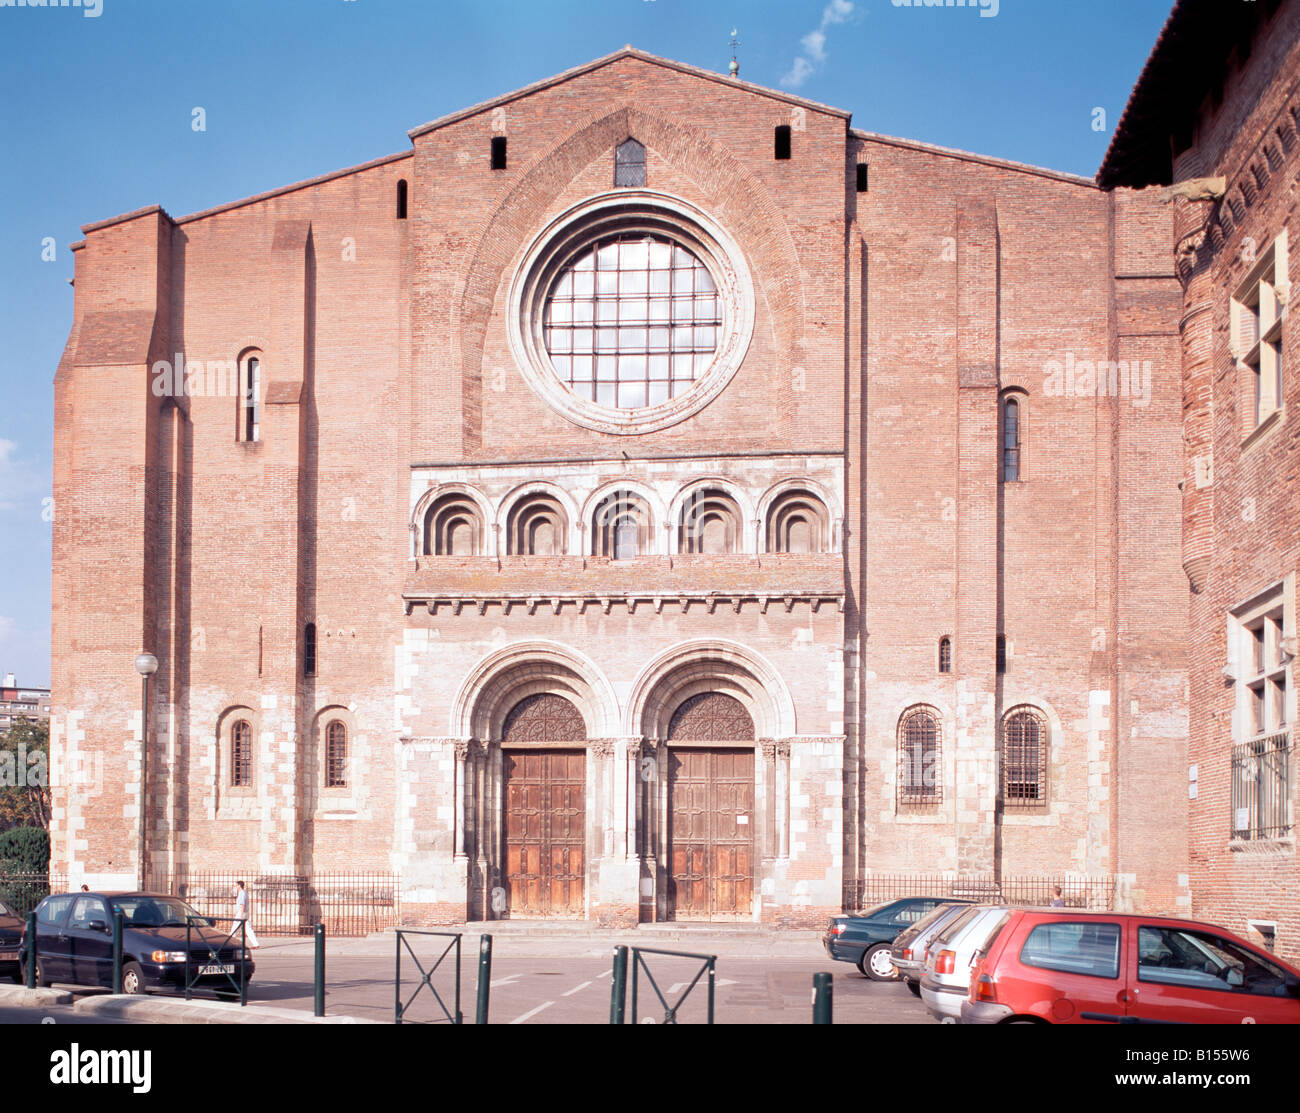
(5, 910)
(152, 912)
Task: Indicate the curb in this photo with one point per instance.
(157, 1010)
(22, 996)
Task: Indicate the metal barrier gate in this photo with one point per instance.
(400, 1009)
(708, 966)
(215, 964)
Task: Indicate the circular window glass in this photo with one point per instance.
(632, 321)
(631, 312)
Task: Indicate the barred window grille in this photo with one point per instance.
(1024, 759)
(309, 650)
(241, 754)
(336, 755)
(919, 758)
(1261, 782)
(945, 654)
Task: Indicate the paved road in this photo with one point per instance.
(575, 989)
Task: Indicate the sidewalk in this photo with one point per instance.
(164, 1010)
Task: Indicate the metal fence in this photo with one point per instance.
(1077, 892)
(282, 904)
(24, 891)
(1261, 788)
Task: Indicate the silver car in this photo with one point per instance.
(946, 982)
(908, 951)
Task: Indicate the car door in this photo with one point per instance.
(53, 947)
(1191, 974)
(1070, 970)
(91, 948)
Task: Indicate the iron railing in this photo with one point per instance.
(24, 891)
(284, 904)
(1261, 787)
(1094, 891)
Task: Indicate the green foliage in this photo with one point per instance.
(24, 775)
(25, 850)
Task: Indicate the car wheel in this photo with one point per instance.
(915, 987)
(876, 964)
(133, 980)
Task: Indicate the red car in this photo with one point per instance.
(1062, 966)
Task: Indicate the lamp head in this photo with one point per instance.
(146, 664)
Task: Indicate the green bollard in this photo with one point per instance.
(484, 979)
(117, 950)
(618, 987)
(822, 999)
(320, 969)
(31, 950)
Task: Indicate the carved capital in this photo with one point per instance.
(462, 749)
(783, 748)
(768, 747)
(601, 747)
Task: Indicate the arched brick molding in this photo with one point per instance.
(502, 679)
(730, 192)
(693, 668)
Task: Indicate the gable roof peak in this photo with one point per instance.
(627, 51)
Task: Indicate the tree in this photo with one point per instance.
(25, 774)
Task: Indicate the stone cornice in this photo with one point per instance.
(553, 602)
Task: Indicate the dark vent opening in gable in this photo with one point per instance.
(783, 141)
(629, 165)
(401, 199)
(498, 152)
(862, 177)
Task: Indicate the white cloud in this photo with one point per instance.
(814, 43)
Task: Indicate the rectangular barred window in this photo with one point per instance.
(1261, 649)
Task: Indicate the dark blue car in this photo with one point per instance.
(74, 943)
(864, 939)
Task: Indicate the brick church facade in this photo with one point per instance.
(648, 497)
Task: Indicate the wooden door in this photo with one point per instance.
(545, 819)
(711, 833)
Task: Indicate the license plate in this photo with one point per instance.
(215, 968)
(7, 955)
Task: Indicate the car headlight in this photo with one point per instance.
(168, 956)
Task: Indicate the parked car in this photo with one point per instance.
(11, 933)
(865, 939)
(909, 949)
(946, 981)
(1061, 966)
(74, 943)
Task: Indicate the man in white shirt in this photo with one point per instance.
(241, 913)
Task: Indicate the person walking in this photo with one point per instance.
(1057, 900)
(241, 913)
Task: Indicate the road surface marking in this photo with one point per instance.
(576, 989)
(506, 980)
(533, 1012)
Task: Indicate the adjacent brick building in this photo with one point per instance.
(658, 498)
(1215, 117)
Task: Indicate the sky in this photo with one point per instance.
(97, 118)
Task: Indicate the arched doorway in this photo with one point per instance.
(711, 809)
(544, 782)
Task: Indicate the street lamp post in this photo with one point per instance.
(146, 664)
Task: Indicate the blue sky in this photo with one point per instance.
(96, 113)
